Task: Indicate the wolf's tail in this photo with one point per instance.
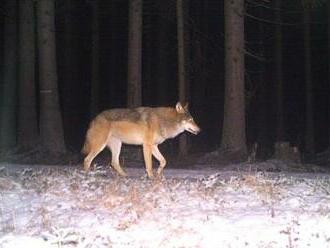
(96, 136)
(85, 149)
(87, 145)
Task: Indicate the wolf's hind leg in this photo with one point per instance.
(147, 154)
(115, 147)
(91, 155)
(160, 158)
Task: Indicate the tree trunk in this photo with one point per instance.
(329, 70)
(27, 114)
(263, 132)
(233, 133)
(278, 61)
(51, 127)
(69, 74)
(9, 96)
(95, 84)
(182, 69)
(163, 61)
(148, 54)
(134, 88)
(198, 65)
(309, 131)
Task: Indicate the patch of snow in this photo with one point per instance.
(47, 206)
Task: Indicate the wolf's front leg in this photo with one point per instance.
(115, 147)
(160, 158)
(147, 154)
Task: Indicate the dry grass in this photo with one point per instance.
(131, 201)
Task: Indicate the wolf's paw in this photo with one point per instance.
(123, 174)
(160, 177)
(120, 173)
(150, 175)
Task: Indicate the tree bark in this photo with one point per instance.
(9, 97)
(51, 127)
(278, 62)
(233, 133)
(134, 87)
(95, 84)
(309, 131)
(27, 114)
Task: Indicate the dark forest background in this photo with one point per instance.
(286, 69)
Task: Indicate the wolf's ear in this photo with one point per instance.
(179, 108)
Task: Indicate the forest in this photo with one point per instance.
(255, 73)
(255, 76)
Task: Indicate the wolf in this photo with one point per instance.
(146, 126)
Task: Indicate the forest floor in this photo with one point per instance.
(265, 204)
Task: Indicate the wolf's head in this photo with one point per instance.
(186, 120)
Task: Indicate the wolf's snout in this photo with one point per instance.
(194, 129)
(197, 131)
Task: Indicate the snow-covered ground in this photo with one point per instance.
(45, 206)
